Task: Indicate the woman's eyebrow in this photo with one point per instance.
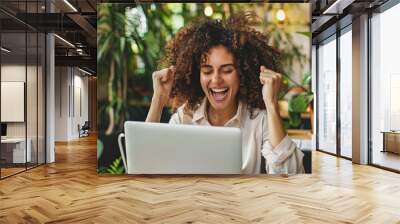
(210, 66)
(226, 65)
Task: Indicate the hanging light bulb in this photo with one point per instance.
(208, 11)
(280, 15)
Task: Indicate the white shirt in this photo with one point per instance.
(285, 158)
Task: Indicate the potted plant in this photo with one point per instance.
(298, 106)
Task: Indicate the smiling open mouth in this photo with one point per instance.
(219, 94)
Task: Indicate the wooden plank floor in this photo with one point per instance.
(70, 191)
(10, 171)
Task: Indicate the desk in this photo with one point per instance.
(391, 141)
(15, 148)
(300, 134)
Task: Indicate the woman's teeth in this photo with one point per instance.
(219, 94)
(219, 90)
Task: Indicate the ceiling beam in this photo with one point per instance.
(81, 61)
(337, 7)
(86, 26)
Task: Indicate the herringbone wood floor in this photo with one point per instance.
(70, 191)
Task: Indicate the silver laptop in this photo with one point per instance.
(156, 148)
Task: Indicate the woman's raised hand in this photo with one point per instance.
(163, 81)
(271, 82)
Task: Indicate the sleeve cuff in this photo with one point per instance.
(174, 119)
(281, 152)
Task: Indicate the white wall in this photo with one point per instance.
(15, 73)
(80, 94)
(71, 94)
(61, 103)
(13, 100)
(33, 126)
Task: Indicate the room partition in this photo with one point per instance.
(23, 86)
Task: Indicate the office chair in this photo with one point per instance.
(84, 130)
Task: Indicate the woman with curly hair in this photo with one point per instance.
(227, 75)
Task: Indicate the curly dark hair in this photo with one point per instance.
(248, 46)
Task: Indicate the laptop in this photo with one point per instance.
(158, 148)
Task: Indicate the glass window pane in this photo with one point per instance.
(385, 84)
(327, 96)
(41, 98)
(31, 97)
(14, 151)
(32, 85)
(23, 85)
(346, 94)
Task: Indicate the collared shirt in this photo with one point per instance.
(285, 158)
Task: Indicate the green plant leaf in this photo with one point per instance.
(103, 47)
(102, 169)
(116, 167)
(300, 102)
(122, 44)
(99, 148)
(307, 34)
(306, 80)
(294, 119)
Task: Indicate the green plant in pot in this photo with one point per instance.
(300, 102)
